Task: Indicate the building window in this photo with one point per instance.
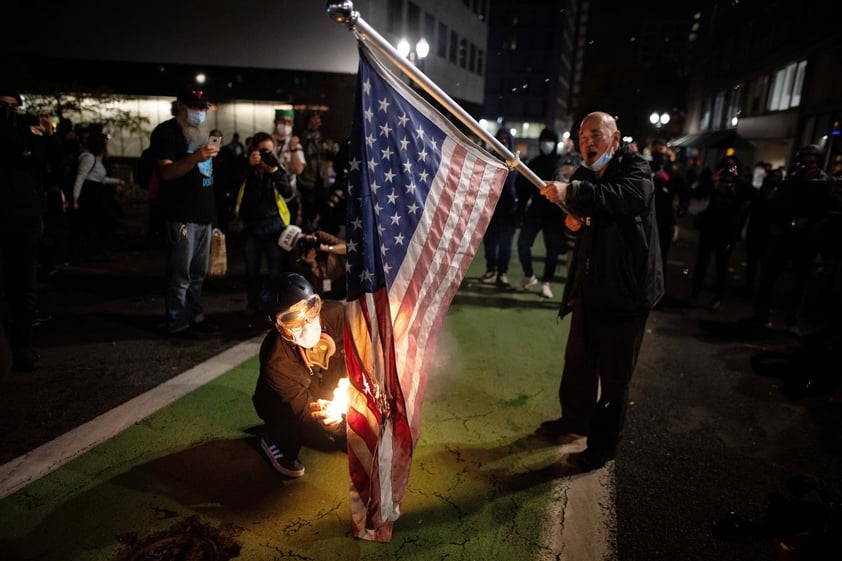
(786, 90)
(718, 109)
(798, 84)
(480, 61)
(704, 122)
(511, 42)
(757, 93)
(734, 104)
(429, 27)
(472, 58)
(413, 20)
(394, 17)
(775, 91)
(441, 41)
(454, 46)
(463, 52)
(786, 87)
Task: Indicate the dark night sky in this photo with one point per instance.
(615, 27)
(290, 34)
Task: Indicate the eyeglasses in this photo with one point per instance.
(302, 313)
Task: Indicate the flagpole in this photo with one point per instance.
(343, 11)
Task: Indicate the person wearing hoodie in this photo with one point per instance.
(500, 233)
(540, 215)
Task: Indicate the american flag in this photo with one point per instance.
(420, 197)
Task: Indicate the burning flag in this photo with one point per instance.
(420, 197)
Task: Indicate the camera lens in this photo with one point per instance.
(268, 157)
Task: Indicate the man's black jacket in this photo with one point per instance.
(616, 259)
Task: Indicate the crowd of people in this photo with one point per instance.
(611, 209)
(787, 219)
(196, 182)
(619, 212)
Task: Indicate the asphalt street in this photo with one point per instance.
(709, 433)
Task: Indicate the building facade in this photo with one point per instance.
(765, 82)
(535, 64)
(250, 59)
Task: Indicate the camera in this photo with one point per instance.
(336, 197)
(268, 158)
(306, 243)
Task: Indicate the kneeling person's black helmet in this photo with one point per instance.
(280, 293)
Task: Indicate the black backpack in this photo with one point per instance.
(145, 169)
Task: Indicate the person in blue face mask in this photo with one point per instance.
(614, 279)
(183, 156)
(540, 216)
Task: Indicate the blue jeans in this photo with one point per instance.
(253, 251)
(498, 243)
(188, 249)
(554, 243)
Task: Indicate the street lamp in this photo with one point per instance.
(416, 56)
(658, 120)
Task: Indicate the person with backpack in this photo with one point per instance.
(146, 176)
(94, 199)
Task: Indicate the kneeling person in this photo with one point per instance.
(301, 363)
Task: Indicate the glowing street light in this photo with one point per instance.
(403, 48)
(416, 55)
(422, 48)
(659, 119)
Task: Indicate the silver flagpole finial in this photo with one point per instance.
(342, 11)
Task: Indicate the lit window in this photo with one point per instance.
(798, 84)
(775, 92)
(786, 87)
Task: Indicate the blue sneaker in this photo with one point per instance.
(290, 467)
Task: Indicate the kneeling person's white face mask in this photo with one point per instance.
(302, 324)
(308, 335)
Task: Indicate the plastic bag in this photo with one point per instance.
(218, 260)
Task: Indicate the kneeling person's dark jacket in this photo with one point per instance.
(289, 382)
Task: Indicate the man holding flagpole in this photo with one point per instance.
(614, 280)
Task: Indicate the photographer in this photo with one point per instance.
(319, 257)
(261, 209)
(719, 225)
(798, 209)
